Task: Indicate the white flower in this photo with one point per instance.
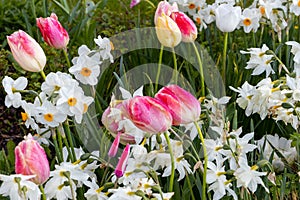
(105, 47)
(228, 17)
(11, 87)
(295, 8)
(248, 176)
(125, 193)
(86, 70)
(94, 192)
(250, 19)
(295, 50)
(166, 196)
(55, 81)
(28, 114)
(12, 187)
(127, 95)
(213, 148)
(50, 115)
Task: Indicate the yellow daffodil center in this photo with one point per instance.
(24, 116)
(85, 107)
(85, 71)
(254, 167)
(100, 189)
(112, 46)
(60, 187)
(198, 20)
(56, 88)
(192, 6)
(130, 193)
(13, 89)
(298, 4)
(48, 117)
(247, 22)
(72, 101)
(262, 10)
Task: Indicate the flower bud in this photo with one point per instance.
(26, 51)
(167, 31)
(183, 106)
(53, 32)
(148, 114)
(121, 166)
(31, 159)
(228, 17)
(187, 27)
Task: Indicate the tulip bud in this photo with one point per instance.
(228, 17)
(167, 31)
(164, 8)
(26, 51)
(187, 27)
(148, 114)
(182, 105)
(114, 146)
(53, 32)
(31, 159)
(121, 166)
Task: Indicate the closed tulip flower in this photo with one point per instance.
(53, 33)
(228, 17)
(148, 114)
(26, 51)
(187, 27)
(31, 159)
(183, 106)
(167, 31)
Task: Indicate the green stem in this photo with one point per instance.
(148, 1)
(190, 186)
(205, 160)
(58, 154)
(224, 57)
(175, 66)
(105, 172)
(200, 70)
(159, 67)
(43, 74)
(67, 57)
(43, 192)
(70, 138)
(172, 162)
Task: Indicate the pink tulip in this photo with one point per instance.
(121, 166)
(134, 3)
(26, 51)
(148, 114)
(114, 146)
(31, 159)
(187, 27)
(183, 106)
(53, 32)
(111, 124)
(164, 8)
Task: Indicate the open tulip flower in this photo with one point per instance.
(31, 159)
(26, 51)
(183, 106)
(53, 33)
(148, 114)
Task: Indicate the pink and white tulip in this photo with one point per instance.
(31, 159)
(26, 51)
(164, 8)
(187, 27)
(114, 146)
(182, 105)
(53, 33)
(148, 114)
(121, 166)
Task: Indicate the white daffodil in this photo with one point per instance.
(94, 192)
(18, 187)
(213, 148)
(295, 8)
(295, 50)
(165, 196)
(105, 47)
(248, 176)
(125, 193)
(11, 87)
(250, 19)
(55, 81)
(86, 70)
(50, 115)
(28, 114)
